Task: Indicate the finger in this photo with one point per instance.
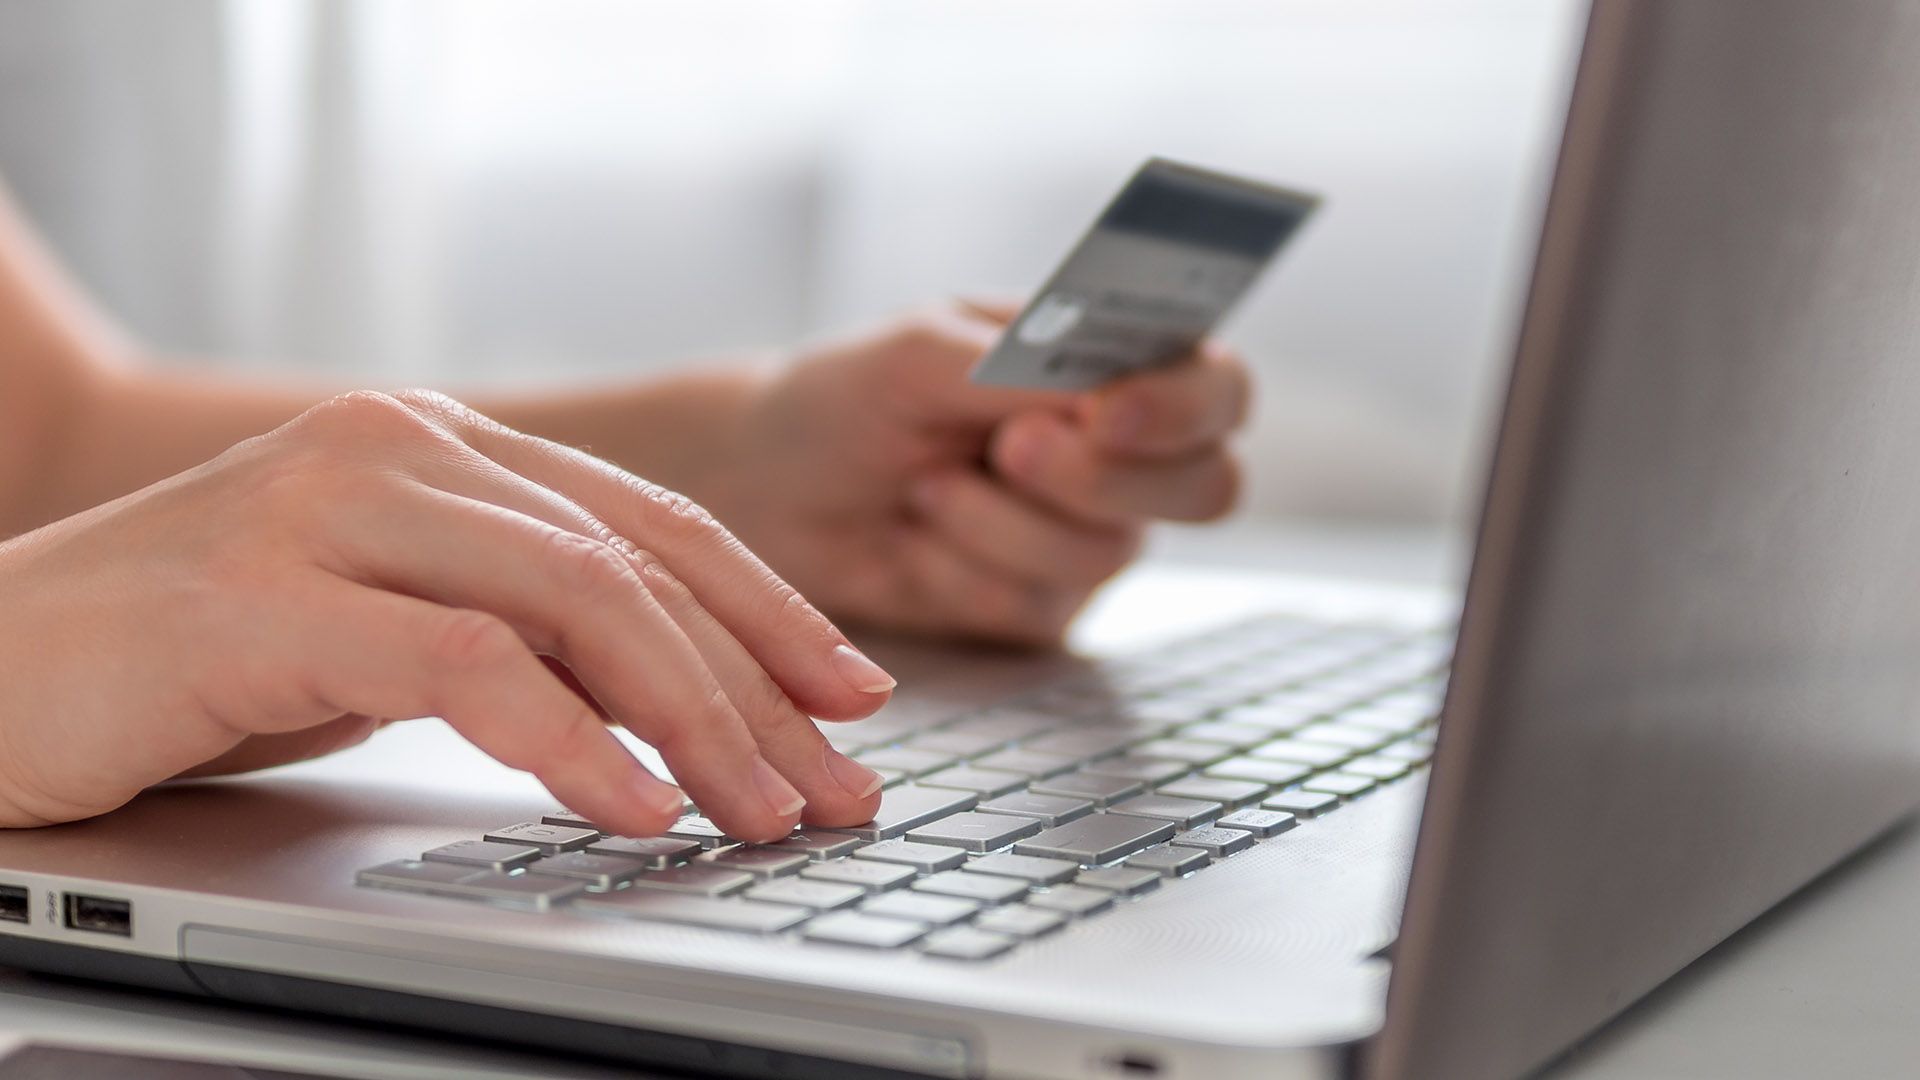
(582, 599)
(838, 790)
(1172, 410)
(1012, 534)
(379, 653)
(807, 656)
(1058, 463)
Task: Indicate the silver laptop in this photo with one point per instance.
(1685, 682)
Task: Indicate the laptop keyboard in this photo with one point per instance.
(1008, 823)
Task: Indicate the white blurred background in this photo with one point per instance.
(464, 192)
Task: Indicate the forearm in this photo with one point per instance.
(122, 429)
(678, 431)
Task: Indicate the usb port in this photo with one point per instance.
(99, 915)
(13, 903)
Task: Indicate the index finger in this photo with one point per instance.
(1172, 410)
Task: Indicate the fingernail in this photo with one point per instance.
(667, 801)
(859, 780)
(1126, 421)
(779, 795)
(859, 672)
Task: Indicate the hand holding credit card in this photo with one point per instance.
(1163, 264)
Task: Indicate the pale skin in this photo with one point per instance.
(207, 575)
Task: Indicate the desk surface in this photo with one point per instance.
(1826, 984)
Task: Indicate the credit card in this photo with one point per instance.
(1164, 263)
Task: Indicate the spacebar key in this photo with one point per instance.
(910, 806)
(1096, 838)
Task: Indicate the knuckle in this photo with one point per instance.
(667, 508)
(359, 411)
(467, 639)
(591, 565)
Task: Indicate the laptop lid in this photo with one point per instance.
(1689, 665)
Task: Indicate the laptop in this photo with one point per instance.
(1683, 682)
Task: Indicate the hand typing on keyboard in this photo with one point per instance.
(400, 556)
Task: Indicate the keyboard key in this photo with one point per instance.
(1304, 804)
(1384, 719)
(1073, 900)
(966, 943)
(890, 777)
(1028, 868)
(1118, 880)
(921, 907)
(483, 853)
(1337, 734)
(1215, 841)
(1177, 709)
(564, 816)
(698, 880)
(1261, 823)
(983, 782)
(1319, 755)
(818, 895)
(1028, 763)
(1047, 809)
(1094, 788)
(1274, 715)
(1146, 770)
(910, 806)
(411, 875)
(1256, 770)
(551, 839)
(1345, 785)
(974, 831)
(536, 892)
(1186, 813)
(909, 761)
(1090, 740)
(1377, 767)
(1099, 838)
(871, 876)
(985, 888)
(923, 857)
(814, 844)
(657, 852)
(853, 928)
(599, 871)
(748, 916)
(1021, 921)
(1007, 724)
(1408, 751)
(1238, 736)
(762, 863)
(1191, 751)
(962, 744)
(1231, 794)
(699, 830)
(1169, 860)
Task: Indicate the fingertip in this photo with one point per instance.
(860, 673)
